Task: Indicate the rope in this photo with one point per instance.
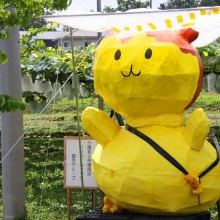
(49, 102)
(78, 126)
(78, 120)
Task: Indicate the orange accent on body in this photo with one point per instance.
(110, 207)
(199, 86)
(182, 39)
(189, 34)
(125, 40)
(194, 181)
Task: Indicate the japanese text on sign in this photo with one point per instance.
(72, 170)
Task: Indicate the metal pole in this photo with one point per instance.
(13, 184)
(100, 100)
(99, 7)
(151, 3)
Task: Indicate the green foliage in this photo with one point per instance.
(131, 4)
(38, 141)
(176, 4)
(109, 9)
(34, 96)
(25, 10)
(209, 3)
(124, 5)
(28, 43)
(4, 35)
(50, 64)
(10, 104)
(209, 101)
(210, 55)
(20, 13)
(3, 57)
(213, 213)
(35, 23)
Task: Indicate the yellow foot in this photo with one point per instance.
(110, 207)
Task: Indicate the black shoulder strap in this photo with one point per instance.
(211, 166)
(158, 148)
(118, 117)
(166, 155)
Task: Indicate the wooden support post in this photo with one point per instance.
(68, 203)
(100, 103)
(94, 199)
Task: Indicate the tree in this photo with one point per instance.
(177, 4)
(124, 5)
(35, 23)
(26, 11)
(209, 3)
(109, 9)
(14, 14)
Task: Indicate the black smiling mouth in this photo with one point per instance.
(131, 72)
(118, 54)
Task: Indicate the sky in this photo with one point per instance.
(82, 6)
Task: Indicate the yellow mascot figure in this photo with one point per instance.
(160, 162)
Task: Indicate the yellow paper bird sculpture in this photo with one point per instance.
(160, 162)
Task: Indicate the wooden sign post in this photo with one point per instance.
(72, 171)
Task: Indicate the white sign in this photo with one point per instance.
(72, 170)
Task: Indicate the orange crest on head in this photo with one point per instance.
(189, 34)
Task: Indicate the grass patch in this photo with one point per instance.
(45, 194)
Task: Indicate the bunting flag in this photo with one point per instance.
(206, 20)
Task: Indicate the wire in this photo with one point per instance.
(48, 145)
(49, 102)
(78, 126)
(38, 116)
(47, 154)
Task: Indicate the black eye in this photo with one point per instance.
(117, 55)
(148, 53)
